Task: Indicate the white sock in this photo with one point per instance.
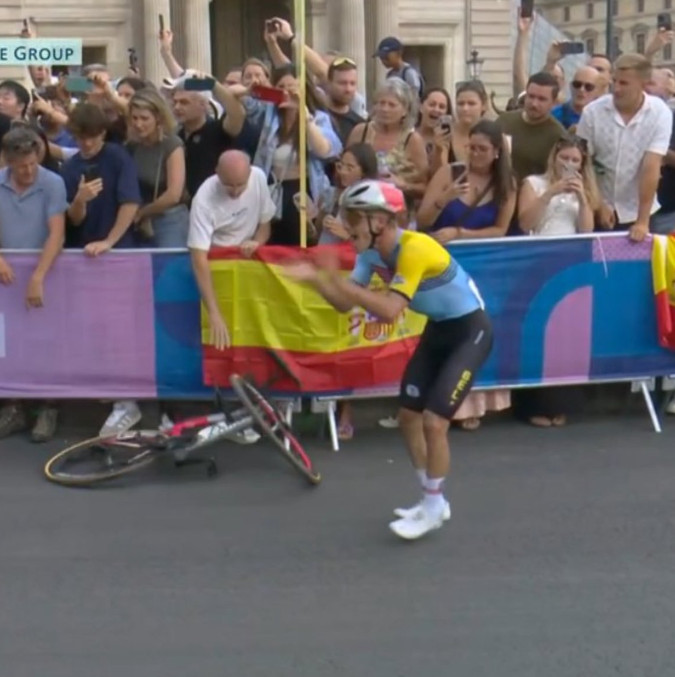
(433, 500)
(421, 476)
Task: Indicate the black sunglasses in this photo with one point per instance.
(588, 86)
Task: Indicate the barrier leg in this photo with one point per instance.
(288, 417)
(650, 406)
(332, 425)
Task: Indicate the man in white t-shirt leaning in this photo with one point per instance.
(233, 208)
(628, 134)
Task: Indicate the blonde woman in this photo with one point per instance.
(562, 201)
(159, 155)
(401, 152)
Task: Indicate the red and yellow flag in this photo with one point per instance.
(663, 271)
(326, 351)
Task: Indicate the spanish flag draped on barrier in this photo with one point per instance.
(326, 351)
(663, 270)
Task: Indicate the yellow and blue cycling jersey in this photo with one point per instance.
(422, 270)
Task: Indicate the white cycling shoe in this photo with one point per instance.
(406, 513)
(417, 525)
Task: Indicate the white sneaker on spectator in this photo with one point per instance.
(389, 422)
(123, 417)
(248, 436)
(406, 513)
(670, 407)
(418, 525)
(165, 423)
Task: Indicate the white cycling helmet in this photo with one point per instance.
(373, 196)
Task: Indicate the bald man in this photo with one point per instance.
(232, 208)
(584, 88)
(659, 84)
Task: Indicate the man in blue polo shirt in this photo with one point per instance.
(101, 185)
(585, 87)
(32, 208)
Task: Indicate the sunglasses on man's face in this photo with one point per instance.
(588, 86)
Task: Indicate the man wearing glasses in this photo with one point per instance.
(338, 78)
(32, 216)
(584, 90)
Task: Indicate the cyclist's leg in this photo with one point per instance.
(468, 342)
(451, 387)
(418, 378)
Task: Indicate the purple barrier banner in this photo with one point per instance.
(94, 337)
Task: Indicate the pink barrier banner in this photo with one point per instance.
(94, 337)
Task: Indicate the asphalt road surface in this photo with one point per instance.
(559, 561)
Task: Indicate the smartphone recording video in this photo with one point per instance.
(458, 171)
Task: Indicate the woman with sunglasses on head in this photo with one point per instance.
(400, 150)
(562, 201)
(559, 203)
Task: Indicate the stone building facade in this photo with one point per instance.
(213, 35)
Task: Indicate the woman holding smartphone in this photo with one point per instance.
(473, 200)
(562, 201)
(559, 203)
(276, 125)
(435, 118)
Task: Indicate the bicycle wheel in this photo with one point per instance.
(101, 459)
(272, 422)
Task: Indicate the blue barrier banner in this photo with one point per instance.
(127, 324)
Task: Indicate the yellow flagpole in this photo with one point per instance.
(299, 43)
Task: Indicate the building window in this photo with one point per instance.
(566, 13)
(640, 43)
(615, 7)
(590, 46)
(589, 10)
(616, 47)
(640, 6)
(667, 52)
(667, 4)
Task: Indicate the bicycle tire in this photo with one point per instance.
(147, 453)
(268, 417)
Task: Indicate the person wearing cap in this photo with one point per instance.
(420, 274)
(390, 53)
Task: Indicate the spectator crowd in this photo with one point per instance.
(95, 162)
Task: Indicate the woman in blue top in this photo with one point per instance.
(277, 150)
(480, 204)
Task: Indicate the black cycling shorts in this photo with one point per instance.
(443, 368)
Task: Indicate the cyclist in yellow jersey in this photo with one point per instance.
(456, 341)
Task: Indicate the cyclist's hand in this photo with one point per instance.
(220, 336)
(302, 271)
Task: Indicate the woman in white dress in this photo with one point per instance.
(561, 202)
